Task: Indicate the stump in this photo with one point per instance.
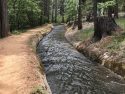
(105, 26)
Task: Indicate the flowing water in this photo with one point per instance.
(69, 72)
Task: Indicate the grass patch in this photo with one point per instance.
(117, 40)
(87, 33)
(18, 32)
(84, 34)
(116, 43)
(121, 23)
(39, 90)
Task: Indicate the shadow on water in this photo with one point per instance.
(69, 72)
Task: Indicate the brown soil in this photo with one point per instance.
(114, 60)
(19, 66)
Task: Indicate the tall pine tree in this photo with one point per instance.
(4, 25)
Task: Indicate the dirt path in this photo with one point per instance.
(19, 72)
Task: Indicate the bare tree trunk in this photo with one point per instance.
(62, 9)
(116, 9)
(103, 26)
(4, 25)
(14, 9)
(46, 10)
(96, 33)
(63, 20)
(52, 13)
(41, 14)
(56, 7)
(106, 27)
(80, 15)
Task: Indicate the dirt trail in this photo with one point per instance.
(19, 72)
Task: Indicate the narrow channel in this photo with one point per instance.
(70, 72)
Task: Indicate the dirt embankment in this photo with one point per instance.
(104, 53)
(20, 71)
(109, 52)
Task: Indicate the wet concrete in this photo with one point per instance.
(69, 72)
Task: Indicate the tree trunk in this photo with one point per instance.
(96, 33)
(4, 25)
(52, 14)
(62, 9)
(105, 26)
(56, 7)
(80, 15)
(116, 9)
(46, 10)
(15, 16)
(63, 20)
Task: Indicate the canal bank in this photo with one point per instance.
(69, 72)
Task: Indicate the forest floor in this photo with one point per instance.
(19, 65)
(109, 52)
